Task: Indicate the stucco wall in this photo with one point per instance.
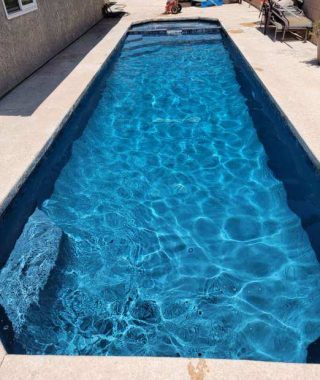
(312, 9)
(28, 41)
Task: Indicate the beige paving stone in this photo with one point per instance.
(134, 368)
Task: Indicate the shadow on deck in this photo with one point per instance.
(24, 99)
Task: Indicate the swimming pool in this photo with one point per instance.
(184, 219)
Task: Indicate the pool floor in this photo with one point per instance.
(180, 238)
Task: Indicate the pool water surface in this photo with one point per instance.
(188, 215)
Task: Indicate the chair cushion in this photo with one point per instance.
(286, 3)
(298, 21)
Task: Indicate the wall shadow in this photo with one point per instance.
(24, 99)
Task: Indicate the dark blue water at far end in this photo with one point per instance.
(190, 218)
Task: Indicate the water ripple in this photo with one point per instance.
(181, 241)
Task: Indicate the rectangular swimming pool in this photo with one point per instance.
(175, 215)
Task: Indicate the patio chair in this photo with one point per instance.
(285, 19)
(108, 12)
(262, 7)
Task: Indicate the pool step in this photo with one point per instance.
(175, 31)
(28, 267)
(148, 45)
(167, 40)
(169, 25)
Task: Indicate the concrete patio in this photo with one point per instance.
(35, 111)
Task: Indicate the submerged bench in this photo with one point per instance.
(29, 266)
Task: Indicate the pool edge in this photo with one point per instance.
(110, 367)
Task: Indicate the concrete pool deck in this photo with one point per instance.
(134, 368)
(33, 113)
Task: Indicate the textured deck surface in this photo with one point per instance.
(32, 115)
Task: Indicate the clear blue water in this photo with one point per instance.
(183, 229)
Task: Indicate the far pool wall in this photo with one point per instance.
(30, 40)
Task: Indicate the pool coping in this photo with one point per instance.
(150, 368)
(214, 365)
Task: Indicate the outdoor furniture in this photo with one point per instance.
(285, 19)
(263, 4)
(108, 12)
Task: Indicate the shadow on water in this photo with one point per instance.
(286, 158)
(40, 184)
(46, 298)
(46, 79)
(314, 352)
(7, 334)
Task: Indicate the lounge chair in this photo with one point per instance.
(108, 12)
(285, 19)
